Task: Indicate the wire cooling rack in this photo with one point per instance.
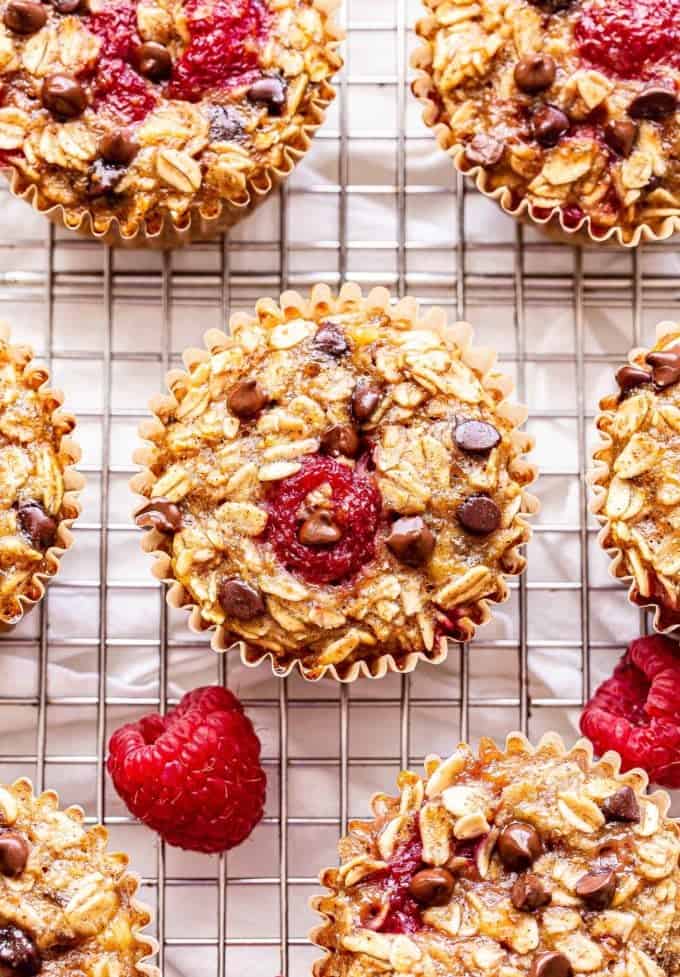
(378, 203)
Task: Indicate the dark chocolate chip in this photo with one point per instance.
(629, 377)
(152, 60)
(341, 439)
(365, 399)
(519, 845)
(432, 886)
(319, 530)
(330, 339)
(103, 178)
(269, 91)
(160, 514)
(484, 150)
(63, 96)
(14, 852)
(67, 6)
(117, 148)
(534, 73)
(665, 365)
(653, 103)
(620, 136)
(247, 399)
(24, 16)
(622, 806)
(225, 123)
(240, 600)
(529, 893)
(479, 515)
(548, 124)
(552, 6)
(38, 525)
(18, 953)
(411, 541)
(597, 889)
(476, 437)
(550, 964)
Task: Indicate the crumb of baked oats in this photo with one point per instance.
(514, 862)
(337, 482)
(67, 904)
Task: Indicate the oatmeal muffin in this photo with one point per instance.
(154, 121)
(509, 863)
(637, 476)
(565, 111)
(38, 487)
(339, 483)
(68, 905)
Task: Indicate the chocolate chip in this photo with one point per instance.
(479, 515)
(665, 366)
(160, 514)
(63, 96)
(597, 889)
(14, 852)
(534, 73)
(240, 600)
(152, 60)
(247, 399)
(117, 148)
(103, 178)
(330, 339)
(552, 6)
(411, 541)
(629, 377)
(476, 437)
(67, 6)
(529, 893)
(24, 16)
(620, 136)
(225, 123)
(622, 806)
(550, 964)
(269, 91)
(653, 103)
(18, 953)
(38, 525)
(548, 124)
(519, 845)
(432, 886)
(319, 530)
(341, 439)
(365, 399)
(484, 150)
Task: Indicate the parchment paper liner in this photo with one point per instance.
(516, 743)
(69, 455)
(129, 880)
(599, 478)
(197, 224)
(479, 358)
(551, 223)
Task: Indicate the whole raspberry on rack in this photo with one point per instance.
(194, 776)
(637, 710)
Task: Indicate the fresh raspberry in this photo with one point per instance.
(356, 507)
(403, 915)
(118, 87)
(224, 49)
(116, 25)
(629, 38)
(637, 711)
(194, 776)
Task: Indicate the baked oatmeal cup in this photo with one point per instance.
(507, 863)
(636, 478)
(38, 484)
(68, 905)
(152, 122)
(563, 111)
(340, 483)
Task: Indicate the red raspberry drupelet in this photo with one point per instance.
(629, 38)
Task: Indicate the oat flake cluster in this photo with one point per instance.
(512, 862)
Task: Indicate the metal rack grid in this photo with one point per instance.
(111, 323)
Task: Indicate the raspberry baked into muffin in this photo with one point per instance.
(38, 485)
(513, 862)
(143, 121)
(561, 109)
(339, 483)
(637, 476)
(68, 905)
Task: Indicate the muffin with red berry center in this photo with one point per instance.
(143, 121)
(519, 862)
(565, 111)
(340, 483)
